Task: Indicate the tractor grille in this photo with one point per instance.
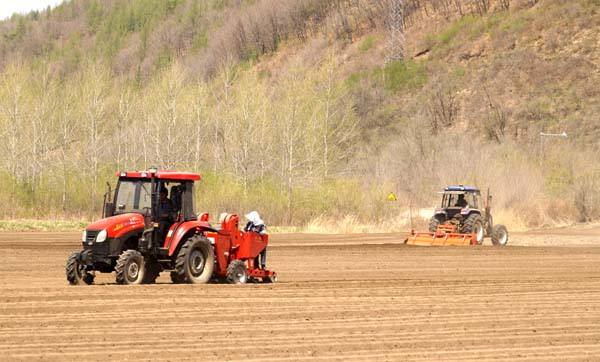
(90, 235)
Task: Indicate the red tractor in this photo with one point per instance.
(138, 242)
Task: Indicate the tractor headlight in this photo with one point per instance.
(83, 236)
(101, 236)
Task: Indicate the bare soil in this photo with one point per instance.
(340, 297)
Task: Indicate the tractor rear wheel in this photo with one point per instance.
(434, 222)
(130, 268)
(196, 261)
(500, 235)
(76, 273)
(237, 273)
(474, 224)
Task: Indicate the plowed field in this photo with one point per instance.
(351, 298)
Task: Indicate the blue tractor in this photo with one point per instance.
(462, 206)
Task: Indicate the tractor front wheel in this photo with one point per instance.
(474, 224)
(130, 268)
(237, 273)
(196, 261)
(500, 235)
(76, 273)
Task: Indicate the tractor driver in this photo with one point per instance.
(461, 202)
(165, 213)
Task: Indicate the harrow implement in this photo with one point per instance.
(446, 235)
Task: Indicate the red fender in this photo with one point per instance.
(178, 231)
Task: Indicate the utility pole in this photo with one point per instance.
(396, 31)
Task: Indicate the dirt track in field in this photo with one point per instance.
(359, 297)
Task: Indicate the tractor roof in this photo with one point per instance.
(163, 175)
(462, 188)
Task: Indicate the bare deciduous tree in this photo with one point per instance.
(442, 108)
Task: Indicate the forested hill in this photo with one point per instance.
(290, 106)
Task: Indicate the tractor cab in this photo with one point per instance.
(162, 198)
(139, 192)
(459, 200)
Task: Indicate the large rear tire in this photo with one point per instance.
(500, 235)
(237, 273)
(130, 268)
(435, 221)
(474, 224)
(76, 273)
(196, 261)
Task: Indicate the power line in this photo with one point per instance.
(396, 31)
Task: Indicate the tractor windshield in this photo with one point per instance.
(454, 200)
(133, 196)
(459, 199)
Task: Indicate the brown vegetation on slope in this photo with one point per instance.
(300, 115)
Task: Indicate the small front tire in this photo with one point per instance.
(500, 235)
(237, 273)
(76, 273)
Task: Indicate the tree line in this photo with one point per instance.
(64, 138)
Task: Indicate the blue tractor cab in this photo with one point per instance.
(463, 206)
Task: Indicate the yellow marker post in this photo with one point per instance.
(392, 197)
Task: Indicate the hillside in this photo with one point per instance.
(289, 106)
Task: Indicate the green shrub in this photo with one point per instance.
(367, 44)
(450, 33)
(404, 75)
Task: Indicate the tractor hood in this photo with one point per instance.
(118, 225)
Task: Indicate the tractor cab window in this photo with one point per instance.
(456, 200)
(181, 196)
(133, 196)
(474, 201)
